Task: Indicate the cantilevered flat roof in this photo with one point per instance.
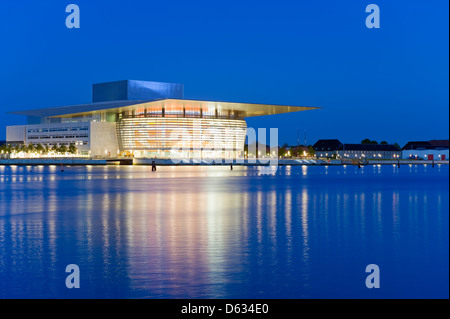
(79, 108)
(245, 109)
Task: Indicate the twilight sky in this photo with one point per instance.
(385, 84)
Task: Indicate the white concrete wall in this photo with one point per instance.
(103, 139)
(370, 154)
(423, 154)
(15, 133)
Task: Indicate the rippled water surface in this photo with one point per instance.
(208, 232)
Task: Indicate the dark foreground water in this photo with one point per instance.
(208, 232)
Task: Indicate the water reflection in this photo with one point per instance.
(193, 232)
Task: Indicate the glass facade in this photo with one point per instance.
(181, 137)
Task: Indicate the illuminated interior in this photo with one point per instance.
(181, 137)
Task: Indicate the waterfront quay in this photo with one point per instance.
(208, 162)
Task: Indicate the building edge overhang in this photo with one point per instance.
(78, 108)
(250, 109)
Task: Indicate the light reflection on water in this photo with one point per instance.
(208, 232)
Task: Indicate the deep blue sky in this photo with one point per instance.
(385, 84)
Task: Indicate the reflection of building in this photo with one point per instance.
(368, 151)
(428, 150)
(144, 119)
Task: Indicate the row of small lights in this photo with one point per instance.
(273, 153)
(363, 155)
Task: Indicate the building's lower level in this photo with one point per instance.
(140, 137)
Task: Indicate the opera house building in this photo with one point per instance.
(144, 119)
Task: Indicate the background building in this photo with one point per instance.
(327, 148)
(368, 151)
(426, 150)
